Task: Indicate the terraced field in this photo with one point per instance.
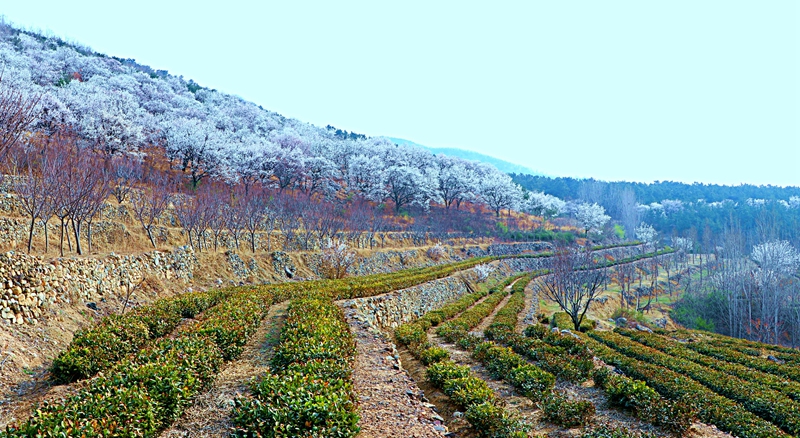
(310, 370)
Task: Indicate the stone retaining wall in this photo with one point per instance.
(389, 310)
(28, 284)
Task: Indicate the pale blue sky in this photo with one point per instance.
(685, 90)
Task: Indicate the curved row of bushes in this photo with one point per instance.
(117, 336)
(645, 403)
(505, 320)
(482, 408)
(308, 391)
(789, 388)
(711, 407)
(147, 391)
(768, 404)
(729, 354)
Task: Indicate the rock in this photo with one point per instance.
(92, 305)
(569, 332)
(660, 323)
(642, 328)
(555, 331)
(458, 414)
(622, 321)
(775, 359)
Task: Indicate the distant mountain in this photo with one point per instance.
(501, 165)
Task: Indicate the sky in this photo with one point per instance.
(683, 90)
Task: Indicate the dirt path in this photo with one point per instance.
(209, 414)
(390, 403)
(479, 329)
(528, 314)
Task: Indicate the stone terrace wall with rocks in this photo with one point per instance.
(28, 285)
(389, 310)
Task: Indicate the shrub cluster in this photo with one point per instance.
(729, 353)
(644, 401)
(605, 431)
(117, 336)
(789, 388)
(309, 392)
(565, 357)
(563, 321)
(148, 390)
(711, 408)
(567, 413)
(483, 409)
(756, 398)
(503, 364)
(505, 320)
(457, 328)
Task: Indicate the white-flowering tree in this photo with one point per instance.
(499, 192)
(647, 234)
(591, 217)
(406, 185)
(542, 204)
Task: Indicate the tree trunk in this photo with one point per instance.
(150, 236)
(30, 234)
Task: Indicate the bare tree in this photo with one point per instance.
(573, 283)
(149, 203)
(126, 172)
(18, 111)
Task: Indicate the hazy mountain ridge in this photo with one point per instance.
(501, 165)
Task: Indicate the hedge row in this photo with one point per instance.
(458, 327)
(502, 363)
(711, 407)
(505, 320)
(483, 409)
(308, 392)
(416, 332)
(147, 391)
(644, 401)
(728, 354)
(117, 336)
(563, 321)
(468, 391)
(789, 388)
(758, 399)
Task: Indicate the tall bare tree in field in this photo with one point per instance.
(573, 283)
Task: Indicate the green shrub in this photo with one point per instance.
(490, 420)
(567, 413)
(536, 331)
(468, 391)
(440, 372)
(531, 381)
(296, 404)
(433, 355)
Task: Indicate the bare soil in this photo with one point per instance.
(390, 402)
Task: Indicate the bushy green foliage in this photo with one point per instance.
(309, 392)
(492, 421)
(563, 321)
(644, 401)
(433, 354)
(297, 404)
(116, 336)
(756, 398)
(561, 411)
(711, 408)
